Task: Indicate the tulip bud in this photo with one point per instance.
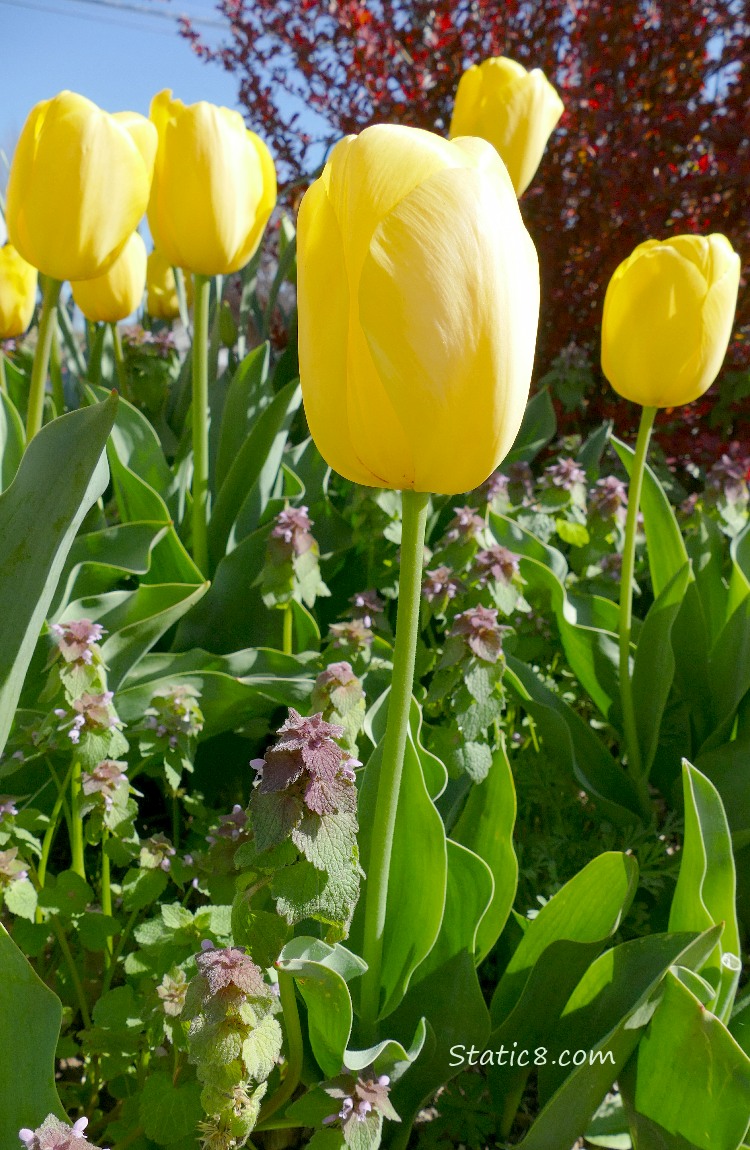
(418, 295)
(17, 293)
(214, 187)
(161, 287)
(515, 110)
(668, 315)
(118, 293)
(79, 184)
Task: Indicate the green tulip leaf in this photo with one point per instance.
(321, 973)
(570, 738)
(665, 547)
(247, 395)
(12, 440)
(388, 1057)
(61, 476)
(99, 560)
(485, 826)
(739, 580)
(468, 897)
(706, 885)
(688, 1088)
(587, 909)
(537, 429)
(32, 1014)
(654, 665)
(605, 1017)
(417, 882)
(252, 475)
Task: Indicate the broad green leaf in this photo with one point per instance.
(729, 676)
(665, 547)
(416, 892)
(689, 1084)
(591, 451)
(169, 1113)
(532, 1022)
(12, 440)
(706, 885)
(433, 769)
(232, 614)
(137, 446)
(523, 542)
(485, 826)
(99, 560)
(233, 691)
(706, 550)
(259, 456)
(570, 738)
(451, 1002)
(537, 428)
(321, 973)
(739, 580)
(388, 1057)
(654, 665)
(134, 620)
(62, 474)
(31, 1012)
(468, 895)
(588, 908)
(605, 1015)
(245, 399)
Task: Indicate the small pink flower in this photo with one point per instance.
(77, 639)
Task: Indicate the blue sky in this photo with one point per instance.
(105, 50)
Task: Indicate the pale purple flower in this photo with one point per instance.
(231, 826)
(292, 530)
(353, 634)
(729, 476)
(611, 565)
(104, 779)
(497, 563)
(465, 525)
(7, 806)
(440, 583)
(56, 1135)
(11, 867)
(565, 474)
(496, 486)
(369, 607)
(77, 639)
(306, 756)
(479, 629)
(229, 970)
(609, 498)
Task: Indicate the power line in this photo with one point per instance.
(145, 10)
(100, 19)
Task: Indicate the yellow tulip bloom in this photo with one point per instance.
(514, 110)
(118, 293)
(668, 315)
(79, 184)
(214, 187)
(17, 293)
(418, 296)
(161, 288)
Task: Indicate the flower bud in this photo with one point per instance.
(78, 186)
(214, 187)
(668, 315)
(17, 293)
(118, 293)
(418, 290)
(515, 110)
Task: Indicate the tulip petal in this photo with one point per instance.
(449, 304)
(267, 201)
(323, 334)
(115, 295)
(369, 174)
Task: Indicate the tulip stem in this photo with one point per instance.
(415, 505)
(635, 764)
(50, 296)
(122, 375)
(3, 378)
(76, 822)
(201, 293)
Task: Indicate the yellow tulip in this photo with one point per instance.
(214, 187)
(418, 294)
(118, 293)
(79, 183)
(17, 293)
(668, 315)
(514, 110)
(161, 287)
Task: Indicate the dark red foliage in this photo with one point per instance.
(655, 138)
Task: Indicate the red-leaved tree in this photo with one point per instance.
(655, 138)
